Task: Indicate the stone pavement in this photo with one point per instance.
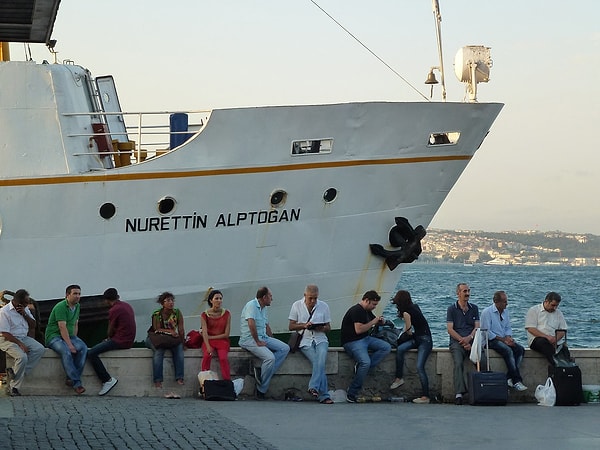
(91, 422)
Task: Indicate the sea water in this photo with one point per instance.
(433, 288)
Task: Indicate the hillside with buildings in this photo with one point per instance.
(511, 247)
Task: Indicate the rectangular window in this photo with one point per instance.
(449, 138)
(312, 146)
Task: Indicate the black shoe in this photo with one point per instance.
(259, 396)
(14, 392)
(69, 382)
(458, 401)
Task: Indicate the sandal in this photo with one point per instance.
(313, 392)
(327, 401)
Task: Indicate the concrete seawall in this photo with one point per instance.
(133, 368)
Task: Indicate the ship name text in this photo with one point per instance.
(196, 221)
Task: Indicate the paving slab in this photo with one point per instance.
(92, 422)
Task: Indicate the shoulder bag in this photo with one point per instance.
(296, 336)
(162, 340)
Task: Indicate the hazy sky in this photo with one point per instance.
(538, 168)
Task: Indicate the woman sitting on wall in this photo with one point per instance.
(215, 324)
(167, 320)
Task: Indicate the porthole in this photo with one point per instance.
(107, 211)
(330, 195)
(166, 205)
(278, 198)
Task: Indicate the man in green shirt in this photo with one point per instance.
(61, 336)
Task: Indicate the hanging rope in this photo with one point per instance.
(369, 50)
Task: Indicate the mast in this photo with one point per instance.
(437, 16)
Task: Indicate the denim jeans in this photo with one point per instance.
(94, 356)
(317, 355)
(512, 357)
(424, 344)
(359, 351)
(72, 363)
(272, 356)
(24, 362)
(158, 357)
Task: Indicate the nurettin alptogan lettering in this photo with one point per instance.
(197, 221)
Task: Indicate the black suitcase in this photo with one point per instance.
(565, 374)
(487, 387)
(567, 383)
(219, 390)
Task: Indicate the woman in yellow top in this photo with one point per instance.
(168, 320)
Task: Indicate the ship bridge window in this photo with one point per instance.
(312, 146)
(448, 138)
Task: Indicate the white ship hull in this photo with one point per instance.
(56, 186)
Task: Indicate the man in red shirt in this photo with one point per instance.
(121, 334)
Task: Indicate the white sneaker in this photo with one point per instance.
(108, 386)
(520, 386)
(397, 383)
(510, 383)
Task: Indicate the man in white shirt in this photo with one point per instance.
(16, 322)
(541, 324)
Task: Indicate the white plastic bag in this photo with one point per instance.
(546, 394)
(338, 396)
(238, 385)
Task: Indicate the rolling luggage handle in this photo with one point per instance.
(562, 356)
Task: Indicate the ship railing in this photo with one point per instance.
(126, 138)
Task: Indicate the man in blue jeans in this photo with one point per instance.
(61, 336)
(496, 320)
(256, 337)
(356, 324)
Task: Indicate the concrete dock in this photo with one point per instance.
(91, 422)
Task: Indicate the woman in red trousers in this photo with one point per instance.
(216, 325)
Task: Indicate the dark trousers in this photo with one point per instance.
(93, 355)
(543, 346)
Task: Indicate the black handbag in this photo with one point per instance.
(405, 337)
(218, 390)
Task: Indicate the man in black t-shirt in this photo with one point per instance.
(356, 324)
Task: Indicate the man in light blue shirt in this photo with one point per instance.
(256, 337)
(496, 320)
